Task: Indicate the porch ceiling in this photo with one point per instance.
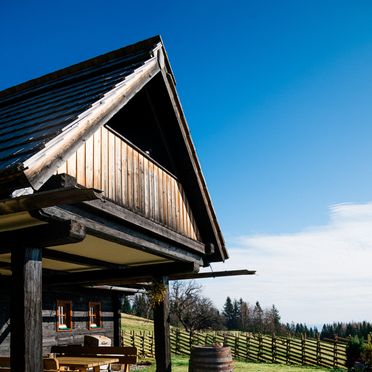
(91, 248)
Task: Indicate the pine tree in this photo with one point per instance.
(236, 315)
(126, 307)
(244, 316)
(228, 313)
(275, 316)
(258, 318)
(141, 306)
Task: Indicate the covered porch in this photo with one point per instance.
(83, 242)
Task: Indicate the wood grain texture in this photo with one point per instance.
(162, 331)
(80, 298)
(26, 313)
(133, 180)
(97, 170)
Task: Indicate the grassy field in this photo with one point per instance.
(135, 323)
(180, 364)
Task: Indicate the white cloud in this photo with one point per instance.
(321, 274)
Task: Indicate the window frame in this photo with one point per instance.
(97, 315)
(67, 305)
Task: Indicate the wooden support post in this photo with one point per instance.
(116, 302)
(26, 310)
(162, 332)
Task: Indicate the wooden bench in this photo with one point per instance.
(52, 365)
(126, 355)
(49, 365)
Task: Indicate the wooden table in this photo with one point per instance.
(83, 363)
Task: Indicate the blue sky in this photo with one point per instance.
(277, 96)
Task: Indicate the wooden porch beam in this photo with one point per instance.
(144, 224)
(47, 235)
(115, 230)
(216, 274)
(43, 199)
(141, 273)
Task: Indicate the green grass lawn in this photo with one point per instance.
(135, 323)
(180, 364)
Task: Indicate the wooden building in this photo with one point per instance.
(99, 185)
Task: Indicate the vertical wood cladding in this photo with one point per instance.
(130, 179)
(80, 317)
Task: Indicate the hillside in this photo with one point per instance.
(135, 323)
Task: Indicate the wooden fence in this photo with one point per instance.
(250, 347)
(143, 340)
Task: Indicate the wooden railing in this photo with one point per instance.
(132, 179)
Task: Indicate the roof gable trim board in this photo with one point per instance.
(195, 162)
(42, 165)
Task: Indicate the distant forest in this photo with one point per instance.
(194, 312)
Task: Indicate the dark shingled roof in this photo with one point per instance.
(33, 113)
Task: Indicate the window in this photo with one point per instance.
(64, 315)
(94, 315)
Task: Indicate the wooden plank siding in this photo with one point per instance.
(80, 299)
(129, 178)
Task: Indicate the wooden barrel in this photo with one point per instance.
(210, 359)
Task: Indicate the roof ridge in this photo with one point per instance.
(127, 50)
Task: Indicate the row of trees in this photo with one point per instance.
(300, 329)
(240, 315)
(193, 311)
(360, 329)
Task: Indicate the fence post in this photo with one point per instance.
(133, 339)
(335, 352)
(190, 340)
(143, 343)
(177, 341)
(123, 338)
(248, 348)
(318, 351)
(273, 348)
(288, 351)
(260, 347)
(236, 346)
(225, 340)
(303, 348)
(152, 343)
